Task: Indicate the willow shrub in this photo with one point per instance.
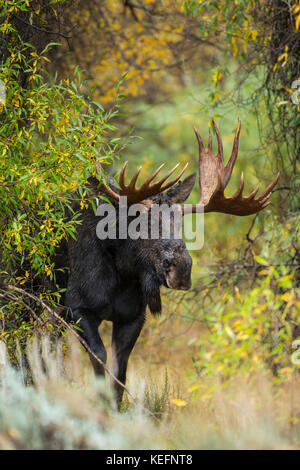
(52, 134)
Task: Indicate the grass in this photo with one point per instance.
(251, 413)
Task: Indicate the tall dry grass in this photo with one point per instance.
(64, 407)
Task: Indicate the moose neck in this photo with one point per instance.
(134, 268)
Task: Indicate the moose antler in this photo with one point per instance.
(214, 177)
(135, 195)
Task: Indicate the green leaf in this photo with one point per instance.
(261, 260)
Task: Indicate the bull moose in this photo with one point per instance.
(116, 279)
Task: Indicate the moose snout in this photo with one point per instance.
(179, 278)
(178, 284)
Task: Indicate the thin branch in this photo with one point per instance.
(43, 30)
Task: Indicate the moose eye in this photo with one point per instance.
(167, 263)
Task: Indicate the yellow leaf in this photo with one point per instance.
(217, 76)
(179, 402)
(263, 272)
(193, 388)
(297, 24)
(295, 8)
(286, 297)
(234, 47)
(283, 56)
(237, 293)
(254, 34)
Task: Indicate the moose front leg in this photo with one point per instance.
(123, 340)
(90, 334)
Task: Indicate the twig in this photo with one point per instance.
(43, 30)
(251, 240)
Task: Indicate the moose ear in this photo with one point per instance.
(181, 191)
